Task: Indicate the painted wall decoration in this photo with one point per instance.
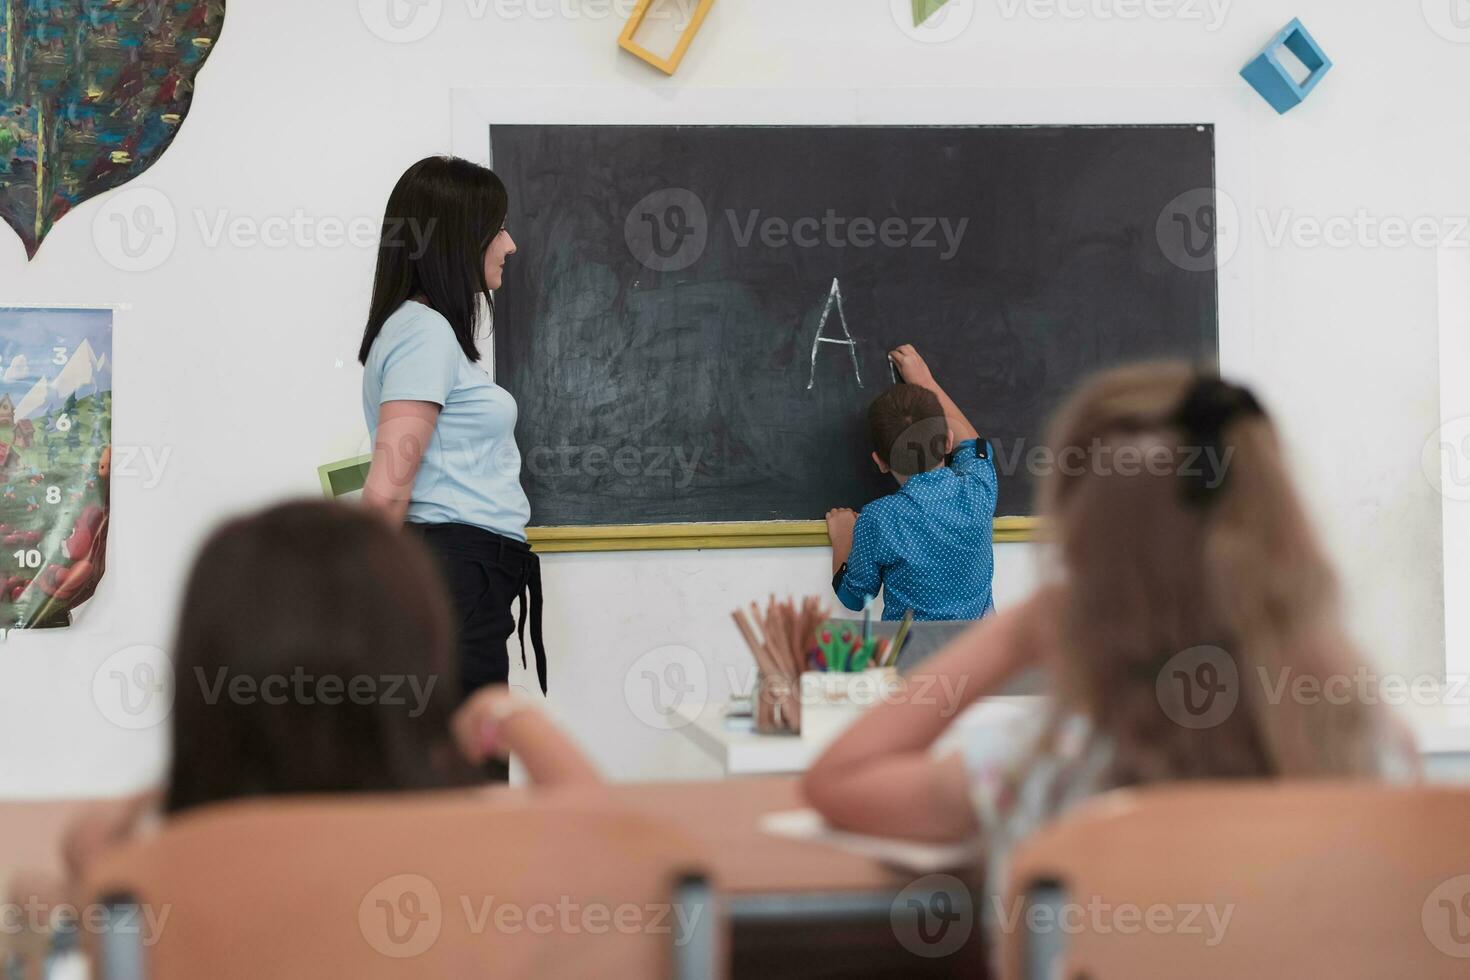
(91, 94)
(55, 457)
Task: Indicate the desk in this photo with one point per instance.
(739, 750)
(796, 909)
(1441, 732)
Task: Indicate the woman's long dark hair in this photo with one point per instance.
(332, 595)
(441, 217)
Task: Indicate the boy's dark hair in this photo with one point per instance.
(908, 430)
(329, 593)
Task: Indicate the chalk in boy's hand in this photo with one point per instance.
(911, 367)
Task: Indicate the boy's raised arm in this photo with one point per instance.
(912, 369)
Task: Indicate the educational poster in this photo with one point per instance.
(92, 92)
(55, 452)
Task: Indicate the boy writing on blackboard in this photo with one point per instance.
(928, 546)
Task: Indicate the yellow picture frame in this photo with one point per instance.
(348, 476)
(670, 64)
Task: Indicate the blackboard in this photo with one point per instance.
(657, 320)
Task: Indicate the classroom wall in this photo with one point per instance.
(235, 374)
(1449, 450)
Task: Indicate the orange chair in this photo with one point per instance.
(1251, 880)
(438, 885)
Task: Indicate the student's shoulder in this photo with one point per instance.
(882, 508)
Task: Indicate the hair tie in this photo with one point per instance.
(1210, 405)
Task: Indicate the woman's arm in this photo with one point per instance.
(404, 432)
(498, 722)
(879, 776)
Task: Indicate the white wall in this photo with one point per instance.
(1448, 452)
(228, 358)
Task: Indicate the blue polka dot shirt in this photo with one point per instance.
(929, 546)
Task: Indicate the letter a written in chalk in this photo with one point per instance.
(834, 299)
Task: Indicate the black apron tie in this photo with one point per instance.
(531, 587)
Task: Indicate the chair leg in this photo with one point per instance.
(697, 946)
(1044, 950)
(120, 943)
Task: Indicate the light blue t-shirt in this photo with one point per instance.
(471, 472)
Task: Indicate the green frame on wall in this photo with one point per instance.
(348, 476)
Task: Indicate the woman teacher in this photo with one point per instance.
(445, 462)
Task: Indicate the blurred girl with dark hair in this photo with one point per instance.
(339, 630)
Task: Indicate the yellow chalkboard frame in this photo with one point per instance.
(348, 475)
(743, 534)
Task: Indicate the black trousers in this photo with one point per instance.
(486, 573)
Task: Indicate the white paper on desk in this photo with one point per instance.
(912, 856)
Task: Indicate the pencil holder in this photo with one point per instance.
(777, 706)
(832, 701)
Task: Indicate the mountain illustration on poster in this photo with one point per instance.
(55, 461)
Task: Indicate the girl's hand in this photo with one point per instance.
(102, 826)
(911, 366)
(477, 723)
(497, 722)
